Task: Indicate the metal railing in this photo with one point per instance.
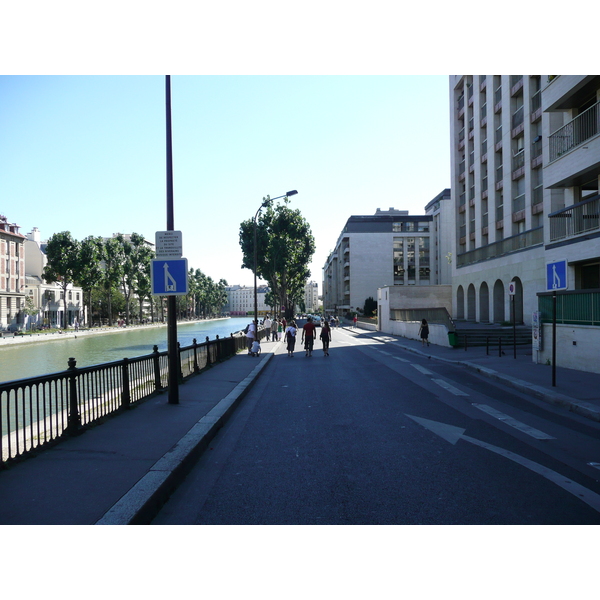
(573, 307)
(579, 218)
(40, 410)
(575, 133)
(527, 239)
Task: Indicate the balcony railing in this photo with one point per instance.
(517, 117)
(527, 239)
(575, 133)
(576, 307)
(582, 217)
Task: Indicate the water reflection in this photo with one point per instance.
(32, 359)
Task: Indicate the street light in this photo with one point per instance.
(266, 202)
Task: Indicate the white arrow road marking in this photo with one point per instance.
(535, 433)
(453, 434)
(450, 388)
(422, 369)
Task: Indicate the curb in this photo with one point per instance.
(143, 501)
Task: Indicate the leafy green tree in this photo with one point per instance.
(285, 246)
(63, 253)
(370, 307)
(90, 273)
(113, 268)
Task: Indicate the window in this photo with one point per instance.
(398, 261)
(411, 266)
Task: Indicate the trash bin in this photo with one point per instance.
(452, 338)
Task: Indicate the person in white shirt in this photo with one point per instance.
(251, 335)
(267, 323)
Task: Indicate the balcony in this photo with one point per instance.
(575, 133)
(528, 239)
(575, 220)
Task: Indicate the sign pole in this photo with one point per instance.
(171, 300)
(554, 339)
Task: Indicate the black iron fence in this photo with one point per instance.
(40, 410)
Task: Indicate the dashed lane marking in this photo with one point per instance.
(450, 388)
(535, 433)
(422, 369)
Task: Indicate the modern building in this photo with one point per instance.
(12, 275)
(311, 297)
(47, 298)
(389, 248)
(525, 187)
(240, 300)
(497, 138)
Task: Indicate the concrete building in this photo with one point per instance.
(47, 298)
(240, 300)
(389, 248)
(525, 188)
(497, 192)
(311, 297)
(12, 275)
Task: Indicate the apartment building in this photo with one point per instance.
(571, 117)
(240, 300)
(311, 297)
(525, 187)
(47, 298)
(12, 275)
(497, 142)
(389, 248)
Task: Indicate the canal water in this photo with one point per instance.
(31, 359)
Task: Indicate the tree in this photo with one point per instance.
(63, 253)
(89, 273)
(113, 267)
(370, 307)
(285, 246)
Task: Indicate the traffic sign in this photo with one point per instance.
(168, 244)
(556, 275)
(512, 288)
(169, 277)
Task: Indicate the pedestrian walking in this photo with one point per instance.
(424, 332)
(290, 337)
(267, 324)
(279, 329)
(325, 337)
(355, 321)
(308, 334)
(274, 330)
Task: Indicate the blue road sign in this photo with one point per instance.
(556, 275)
(169, 277)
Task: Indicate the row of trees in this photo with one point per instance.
(119, 268)
(284, 248)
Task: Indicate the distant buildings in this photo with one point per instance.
(311, 297)
(240, 300)
(12, 274)
(389, 248)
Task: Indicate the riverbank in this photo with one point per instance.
(41, 337)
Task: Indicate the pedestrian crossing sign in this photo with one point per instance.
(169, 277)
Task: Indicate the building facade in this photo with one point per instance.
(240, 300)
(311, 297)
(375, 251)
(47, 299)
(496, 129)
(525, 189)
(12, 275)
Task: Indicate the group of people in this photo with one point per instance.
(275, 329)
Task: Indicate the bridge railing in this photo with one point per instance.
(39, 410)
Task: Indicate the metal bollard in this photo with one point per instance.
(74, 419)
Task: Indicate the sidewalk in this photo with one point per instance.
(576, 391)
(121, 471)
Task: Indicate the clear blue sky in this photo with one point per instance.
(87, 154)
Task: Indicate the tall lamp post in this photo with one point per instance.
(266, 202)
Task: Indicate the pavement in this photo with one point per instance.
(122, 471)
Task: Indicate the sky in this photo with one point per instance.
(87, 154)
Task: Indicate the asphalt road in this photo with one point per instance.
(373, 434)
